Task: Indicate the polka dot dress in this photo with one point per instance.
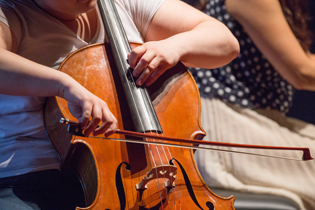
(249, 80)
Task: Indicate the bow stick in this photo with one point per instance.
(75, 129)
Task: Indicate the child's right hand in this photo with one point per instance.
(90, 110)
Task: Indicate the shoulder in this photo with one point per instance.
(140, 12)
(19, 16)
(11, 14)
(140, 6)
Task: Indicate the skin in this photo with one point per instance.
(196, 40)
(266, 25)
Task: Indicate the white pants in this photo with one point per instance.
(248, 173)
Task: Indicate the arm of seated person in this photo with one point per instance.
(179, 32)
(23, 77)
(266, 25)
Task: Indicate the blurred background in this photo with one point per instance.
(304, 101)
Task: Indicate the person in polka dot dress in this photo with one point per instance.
(249, 80)
(246, 100)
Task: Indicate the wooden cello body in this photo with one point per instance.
(120, 175)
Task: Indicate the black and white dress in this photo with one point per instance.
(245, 102)
(249, 80)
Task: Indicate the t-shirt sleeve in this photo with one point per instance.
(9, 16)
(142, 12)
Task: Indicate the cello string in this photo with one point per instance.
(161, 159)
(171, 177)
(142, 126)
(169, 167)
(162, 162)
(158, 151)
(137, 112)
(156, 172)
(146, 139)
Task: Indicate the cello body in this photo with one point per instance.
(120, 175)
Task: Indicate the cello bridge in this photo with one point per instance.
(164, 172)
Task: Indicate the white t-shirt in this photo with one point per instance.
(24, 145)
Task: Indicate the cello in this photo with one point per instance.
(119, 175)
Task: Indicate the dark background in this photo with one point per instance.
(304, 101)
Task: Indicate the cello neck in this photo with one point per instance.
(139, 102)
